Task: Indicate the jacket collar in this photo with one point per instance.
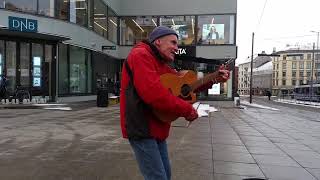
(154, 51)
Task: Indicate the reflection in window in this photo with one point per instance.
(112, 25)
(62, 9)
(135, 29)
(100, 23)
(29, 6)
(77, 69)
(46, 7)
(78, 12)
(216, 29)
(183, 25)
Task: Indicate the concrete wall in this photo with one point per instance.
(80, 36)
(177, 7)
(216, 52)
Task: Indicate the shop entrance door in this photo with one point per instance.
(29, 66)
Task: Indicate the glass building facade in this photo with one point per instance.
(32, 63)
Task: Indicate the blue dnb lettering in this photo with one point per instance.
(23, 24)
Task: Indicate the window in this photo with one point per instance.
(46, 7)
(317, 56)
(283, 82)
(309, 56)
(29, 6)
(283, 74)
(317, 66)
(284, 57)
(293, 82)
(112, 25)
(63, 69)
(301, 65)
(301, 57)
(294, 74)
(277, 66)
(308, 65)
(100, 21)
(284, 65)
(79, 12)
(300, 82)
(301, 73)
(294, 65)
(294, 58)
(308, 73)
(77, 70)
(183, 25)
(62, 9)
(216, 29)
(135, 29)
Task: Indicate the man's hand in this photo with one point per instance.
(223, 74)
(193, 115)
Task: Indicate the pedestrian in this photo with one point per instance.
(269, 95)
(142, 93)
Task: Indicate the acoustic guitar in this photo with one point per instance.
(183, 85)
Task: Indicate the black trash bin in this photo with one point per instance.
(102, 97)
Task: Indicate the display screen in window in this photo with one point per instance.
(36, 71)
(213, 31)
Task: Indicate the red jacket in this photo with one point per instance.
(147, 69)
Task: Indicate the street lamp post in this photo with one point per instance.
(251, 67)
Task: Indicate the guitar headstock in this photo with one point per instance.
(229, 63)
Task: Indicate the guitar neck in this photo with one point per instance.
(206, 79)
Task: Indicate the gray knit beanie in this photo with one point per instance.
(161, 31)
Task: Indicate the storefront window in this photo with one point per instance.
(63, 69)
(216, 29)
(24, 64)
(79, 12)
(89, 74)
(11, 62)
(46, 7)
(100, 23)
(29, 6)
(77, 68)
(112, 25)
(183, 25)
(62, 9)
(135, 29)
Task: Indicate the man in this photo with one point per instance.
(146, 62)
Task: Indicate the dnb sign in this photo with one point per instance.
(22, 24)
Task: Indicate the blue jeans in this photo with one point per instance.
(152, 157)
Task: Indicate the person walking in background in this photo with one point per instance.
(142, 93)
(269, 95)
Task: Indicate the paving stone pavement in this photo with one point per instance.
(231, 144)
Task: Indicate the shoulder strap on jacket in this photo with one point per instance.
(128, 70)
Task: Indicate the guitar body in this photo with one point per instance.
(175, 83)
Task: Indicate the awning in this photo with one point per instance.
(28, 35)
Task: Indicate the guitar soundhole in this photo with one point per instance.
(185, 90)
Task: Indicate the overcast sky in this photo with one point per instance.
(283, 22)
